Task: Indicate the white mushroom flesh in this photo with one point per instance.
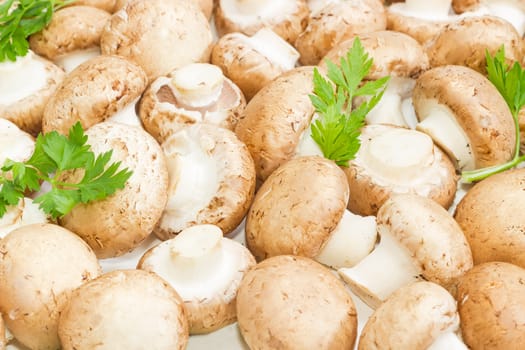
(307, 145)
(127, 115)
(72, 60)
(24, 213)
(247, 12)
(350, 242)
(439, 122)
(198, 84)
(16, 75)
(448, 341)
(432, 10)
(409, 113)
(274, 48)
(14, 143)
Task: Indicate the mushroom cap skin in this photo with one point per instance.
(158, 35)
(71, 29)
(126, 218)
(40, 266)
(491, 304)
(370, 188)
(127, 309)
(479, 109)
(274, 120)
(93, 92)
(298, 303)
(489, 218)
(288, 23)
(297, 208)
(223, 203)
(335, 21)
(106, 5)
(475, 35)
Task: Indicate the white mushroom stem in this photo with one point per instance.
(16, 75)
(15, 144)
(351, 241)
(25, 213)
(275, 48)
(439, 122)
(198, 84)
(246, 12)
(127, 115)
(429, 9)
(307, 145)
(448, 341)
(72, 60)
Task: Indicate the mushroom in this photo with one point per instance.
(126, 218)
(158, 35)
(465, 115)
(130, 309)
(335, 21)
(211, 180)
(40, 265)
(418, 316)
(24, 103)
(195, 93)
(106, 5)
(72, 37)
(491, 304)
(252, 62)
(287, 18)
(419, 239)
(206, 269)
(95, 91)
(292, 302)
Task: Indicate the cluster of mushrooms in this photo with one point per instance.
(232, 214)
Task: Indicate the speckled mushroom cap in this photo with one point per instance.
(158, 35)
(212, 180)
(474, 35)
(274, 120)
(491, 303)
(126, 218)
(130, 309)
(297, 208)
(298, 303)
(40, 266)
(26, 109)
(93, 92)
(478, 109)
(335, 21)
(487, 214)
(106, 5)
(287, 18)
(411, 318)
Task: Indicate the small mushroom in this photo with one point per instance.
(252, 62)
(195, 93)
(206, 269)
(130, 309)
(292, 302)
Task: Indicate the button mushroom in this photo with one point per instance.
(206, 270)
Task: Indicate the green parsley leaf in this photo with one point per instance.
(338, 128)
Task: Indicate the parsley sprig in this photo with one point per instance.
(510, 82)
(338, 128)
(54, 155)
(21, 18)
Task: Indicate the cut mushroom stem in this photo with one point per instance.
(448, 341)
(74, 59)
(198, 84)
(430, 9)
(127, 115)
(249, 7)
(272, 46)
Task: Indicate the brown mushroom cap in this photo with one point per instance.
(40, 266)
(93, 92)
(491, 303)
(297, 208)
(131, 309)
(126, 218)
(298, 303)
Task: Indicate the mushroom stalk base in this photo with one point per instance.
(448, 341)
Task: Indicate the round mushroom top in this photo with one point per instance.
(93, 92)
(298, 303)
(130, 309)
(297, 208)
(413, 317)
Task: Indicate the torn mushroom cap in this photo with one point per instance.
(195, 93)
(206, 270)
(24, 213)
(72, 36)
(475, 36)
(275, 119)
(287, 18)
(252, 62)
(40, 265)
(126, 309)
(419, 239)
(158, 35)
(126, 218)
(465, 115)
(491, 303)
(335, 21)
(414, 317)
(396, 160)
(24, 103)
(211, 180)
(93, 92)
